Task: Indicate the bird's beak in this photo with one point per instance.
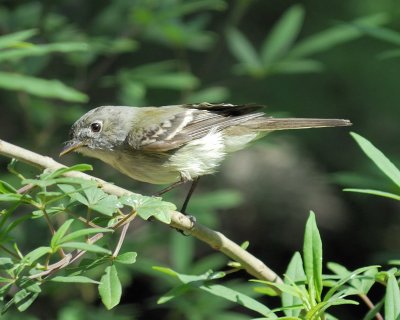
(71, 146)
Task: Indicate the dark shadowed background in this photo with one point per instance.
(142, 53)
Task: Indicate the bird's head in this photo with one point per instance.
(103, 128)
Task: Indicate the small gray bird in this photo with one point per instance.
(177, 143)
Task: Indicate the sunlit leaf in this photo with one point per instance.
(147, 207)
(40, 87)
(36, 254)
(73, 279)
(39, 50)
(380, 160)
(392, 299)
(312, 252)
(294, 272)
(375, 193)
(13, 39)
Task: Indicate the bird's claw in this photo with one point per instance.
(193, 221)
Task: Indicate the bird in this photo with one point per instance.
(175, 144)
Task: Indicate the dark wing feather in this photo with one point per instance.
(179, 125)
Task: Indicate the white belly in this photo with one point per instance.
(197, 158)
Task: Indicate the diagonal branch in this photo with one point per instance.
(215, 239)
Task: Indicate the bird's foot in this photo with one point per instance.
(193, 221)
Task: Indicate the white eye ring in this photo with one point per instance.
(96, 126)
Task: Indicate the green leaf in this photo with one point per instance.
(59, 234)
(59, 172)
(147, 207)
(380, 160)
(381, 33)
(86, 247)
(40, 87)
(126, 258)
(174, 293)
(93, 197)
(283, 34)
(392, 298)
(39, 50)
(203, 282)
(297, 66)
(110, 288)
(15, 38)
(294, 273)
(182, 251)
(73, 279)
(362, 283)
(243, 50)
(36, 254)
(83, 232)
(374, 192)
(100, 201)
(351, 277)
(11, 197)
(239, 298)
(312, 252)
(24, 298)
(6, 187)
(334, 36)
(6, 263)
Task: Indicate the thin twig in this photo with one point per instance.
(215, 239)
(370, 305)
(121, 239)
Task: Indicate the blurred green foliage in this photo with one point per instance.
(60, 58)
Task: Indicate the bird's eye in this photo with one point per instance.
(95, 127)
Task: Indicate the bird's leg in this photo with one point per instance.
(169, 188)
(189, 194)
(186, 202)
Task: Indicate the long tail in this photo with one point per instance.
(266, 124)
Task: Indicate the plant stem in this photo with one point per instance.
(370, 305)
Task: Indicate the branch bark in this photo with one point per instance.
(215, 239)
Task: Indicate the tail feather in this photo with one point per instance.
(267, 124)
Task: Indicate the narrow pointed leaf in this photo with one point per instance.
(243, 50)
(39, 50)
(15, 38)
(294, 272)
(40, 87)
(334, 36)
(74, 279)
(86, 247)
(36, 254)
(380, 160)
(240, 298)
(283, 34)
(59, 234)
(312, 252)
(374, 192)
(392, 299)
